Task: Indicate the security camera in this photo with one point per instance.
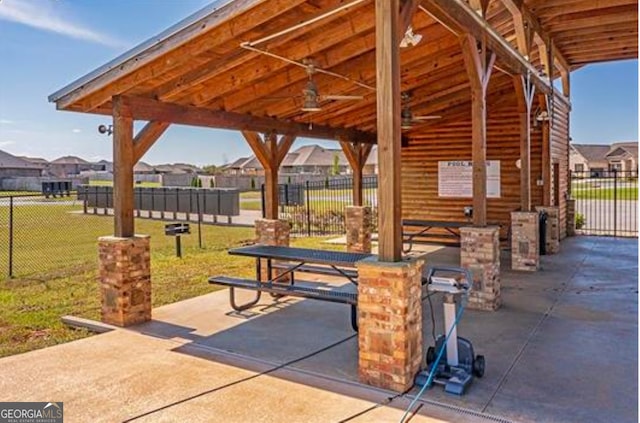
(104, 129)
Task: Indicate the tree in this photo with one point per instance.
(212, 183)
(211, 169)
(335, 169)
(253, 183)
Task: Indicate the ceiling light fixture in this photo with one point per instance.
(410, 39)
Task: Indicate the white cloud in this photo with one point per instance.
(6, 143)
(41, 15)
(6, 122)
(76, 130)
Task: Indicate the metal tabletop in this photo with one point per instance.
(332, 258)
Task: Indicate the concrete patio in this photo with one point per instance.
(562, 348)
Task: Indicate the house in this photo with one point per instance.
(142, 168)
(308, 159)
(12, 166)
(597, 160)
(69, 166)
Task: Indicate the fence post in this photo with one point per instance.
(11, 236)
(308, 209)
(615, 202)
(264, 212)
(199, 219)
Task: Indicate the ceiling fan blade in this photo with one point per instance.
(429, 117)
(341, 97)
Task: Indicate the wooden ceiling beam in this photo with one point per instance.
(469, 21)
(154, 110)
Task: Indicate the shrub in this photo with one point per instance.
(580, 220)
(253, 183)
(212, 183)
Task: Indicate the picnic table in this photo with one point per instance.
(336, 263)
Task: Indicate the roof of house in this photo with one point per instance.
(314, 155)
(35, 160)
(592, 152)
(70, 160)
(236, 164)
(620, 148)
(9, 161)
(142, 167)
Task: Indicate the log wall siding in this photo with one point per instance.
(560, 155)
(452, 141)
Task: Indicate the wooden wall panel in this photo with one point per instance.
(452, 141)
(560, 155)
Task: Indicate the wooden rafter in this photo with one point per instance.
(480, 6)
(467, 20)
(154, 110)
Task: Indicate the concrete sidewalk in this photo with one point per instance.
(563, 348)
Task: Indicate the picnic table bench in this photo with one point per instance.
(451, 237)
(296, 259)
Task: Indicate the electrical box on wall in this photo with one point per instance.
(540, 182)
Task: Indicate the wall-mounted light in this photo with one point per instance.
(105, 129)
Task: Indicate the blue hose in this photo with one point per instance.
(432, 373)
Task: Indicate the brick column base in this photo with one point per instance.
(272, 232)
(389, 323)
(480, 253)
(552, 232)
(358, 225)
(125, 279)
(525, 241)
(571, 217)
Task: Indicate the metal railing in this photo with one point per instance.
(318, 207)
(606, 202)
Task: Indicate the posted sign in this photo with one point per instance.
(455, 179)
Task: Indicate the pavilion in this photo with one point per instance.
(434, 83)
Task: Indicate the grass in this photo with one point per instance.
(591, 193)
(144, 184)
(58, 247)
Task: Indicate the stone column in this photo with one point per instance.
(125, 279)
(358, 225)
(480, 253)
(272, 232)
(525, 241)
(552, 232)
(571, 217)
(389, 323)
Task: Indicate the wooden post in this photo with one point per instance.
(524, 93)
(389, 132)
(546, 152)
(270, 153)
(478, 68)
(356, 155)
(123, 161)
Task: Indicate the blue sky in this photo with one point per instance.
(46, 44)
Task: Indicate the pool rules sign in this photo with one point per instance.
(455, 179)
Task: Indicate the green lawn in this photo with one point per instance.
(139, 184)
(56, 264)
(594, 193)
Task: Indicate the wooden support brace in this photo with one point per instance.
(546, 151)
(147, 137)
(478, 68)
(357, 155)
(270, 152)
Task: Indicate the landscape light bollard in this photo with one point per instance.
(177, 229)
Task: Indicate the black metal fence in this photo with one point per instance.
(606, 202)
(318, 207)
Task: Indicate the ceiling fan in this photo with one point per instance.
(408, 118)
(312, 97)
